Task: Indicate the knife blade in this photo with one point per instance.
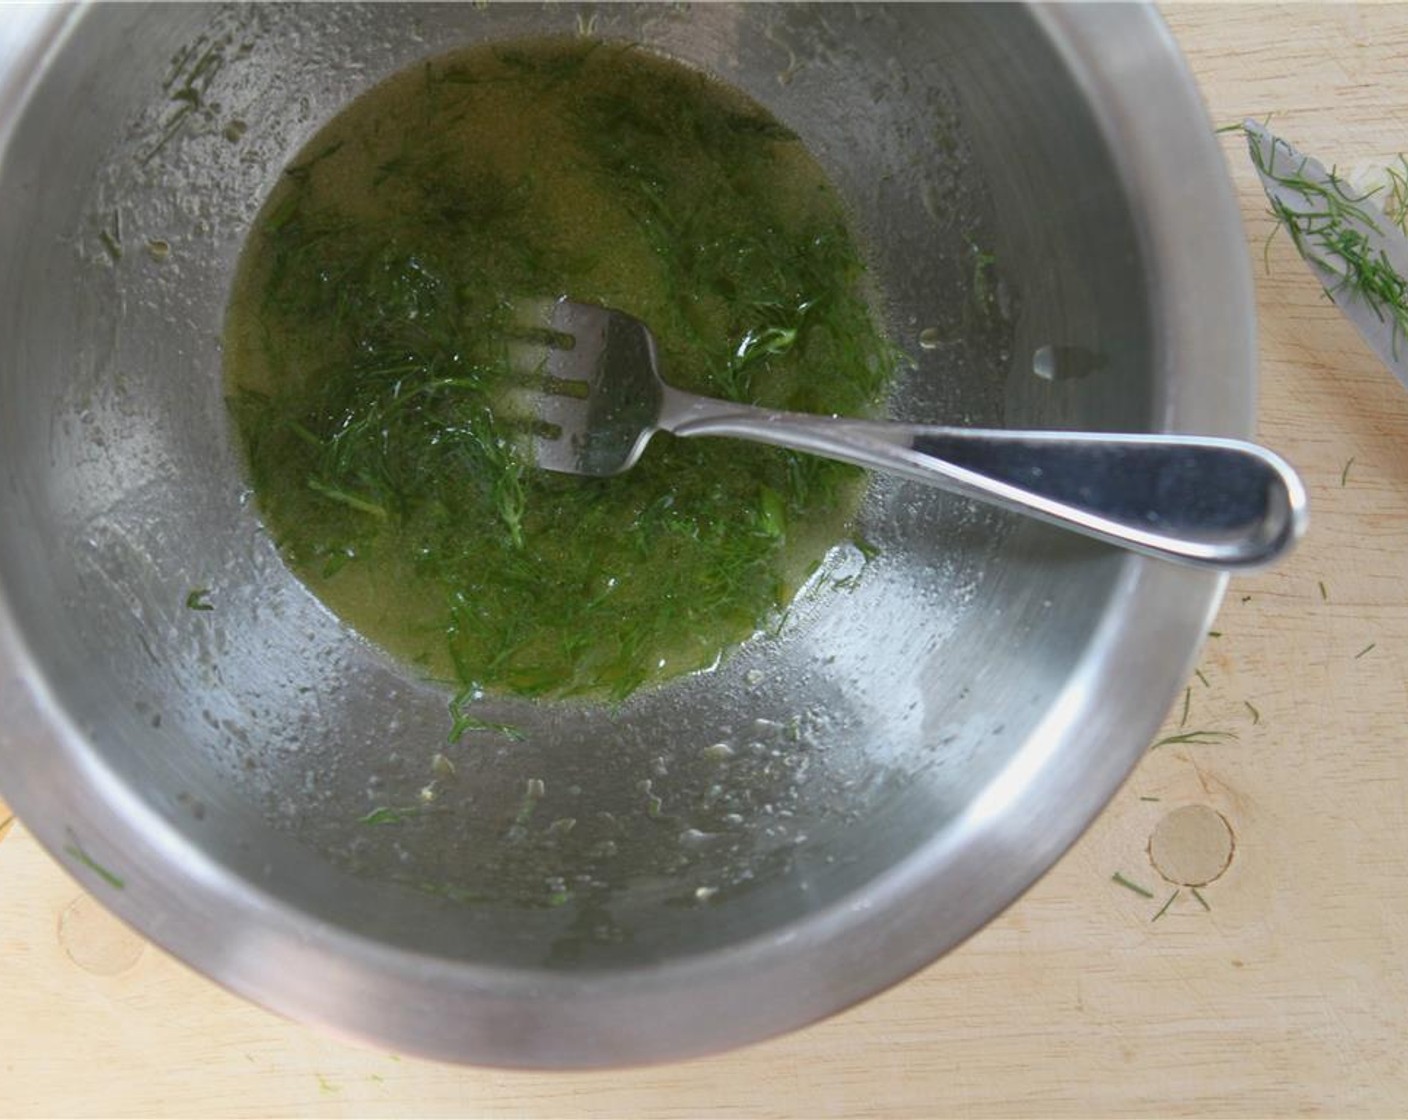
(1357, 253)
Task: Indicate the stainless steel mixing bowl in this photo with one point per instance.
(834, 806)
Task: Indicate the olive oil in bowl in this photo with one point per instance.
(368, 333)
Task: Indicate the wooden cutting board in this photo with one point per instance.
(1282, 989)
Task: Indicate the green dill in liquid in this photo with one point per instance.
(367, 336)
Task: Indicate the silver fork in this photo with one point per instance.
(1199, 500)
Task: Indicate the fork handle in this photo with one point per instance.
(1200, 500)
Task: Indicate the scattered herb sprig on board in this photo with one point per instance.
(1164, 908)
(1130, 886)
(1194, 737)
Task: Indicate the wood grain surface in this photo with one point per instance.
(1281, 988)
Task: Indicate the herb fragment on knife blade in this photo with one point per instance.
(1395, 205)
(1329, 232)
(1256, 715)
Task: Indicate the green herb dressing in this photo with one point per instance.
(365, 342)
